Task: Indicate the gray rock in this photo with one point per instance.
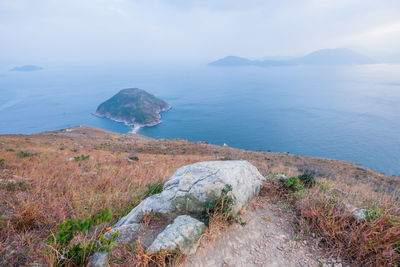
(126, 233)
(358, 213)
(192, 186)
(98, 259)
(282, 177)
(186, 192)
(183, 234)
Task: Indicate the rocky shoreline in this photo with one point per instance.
(135, 126)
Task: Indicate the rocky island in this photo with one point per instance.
(134, 107)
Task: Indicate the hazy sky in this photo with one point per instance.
(103, 31)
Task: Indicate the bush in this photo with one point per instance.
(2, 161)
(134, 158)
(308, 179)
(81, 157)
(26, 154)
(293, 184)
(222, 208)
(77, 254)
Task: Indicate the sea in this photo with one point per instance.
(349, 113)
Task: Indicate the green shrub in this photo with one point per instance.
(293, 184)
(13, 186)
(153, 189)
(26, 154)
(81, 157)
(2, 161)
(222, 207)
(134, 158)
(308, 179)
(77, 254)
(374, 213)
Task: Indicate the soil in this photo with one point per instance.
(268, 239)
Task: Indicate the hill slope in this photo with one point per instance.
(49, 177)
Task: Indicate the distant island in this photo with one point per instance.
(26, 68)
(339, 56)
(134, 107)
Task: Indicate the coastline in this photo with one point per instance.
(135, 126)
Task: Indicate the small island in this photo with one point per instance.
(26, 68)
(134, 107)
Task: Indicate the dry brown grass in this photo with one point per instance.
(327, 210)
(136, 255)
(374, 241)
(48, 188)
(56, 188)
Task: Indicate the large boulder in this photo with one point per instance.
(183, 234)
(184, 194)
(187, 191)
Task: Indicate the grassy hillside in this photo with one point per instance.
(50, 177)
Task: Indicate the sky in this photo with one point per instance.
(137, 31)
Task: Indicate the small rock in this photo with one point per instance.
(126, 233)
(98, 259)
(359, 213)
(183, 234)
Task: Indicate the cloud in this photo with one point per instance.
(191, 30)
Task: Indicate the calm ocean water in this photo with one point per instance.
(349, 113)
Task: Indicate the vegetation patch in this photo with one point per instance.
(293, 184)
(11, 185)
(308, 179)
(81, 157)
(374, 241)
(322, 209)
(135, 254)
(61, 251)
(221, 210)
(26, 154)
(153, 188)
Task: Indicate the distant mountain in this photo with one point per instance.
(134, 107)
(340, 56)
(232, 61)
(26, 68)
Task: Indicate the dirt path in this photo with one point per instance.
(266, 240)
